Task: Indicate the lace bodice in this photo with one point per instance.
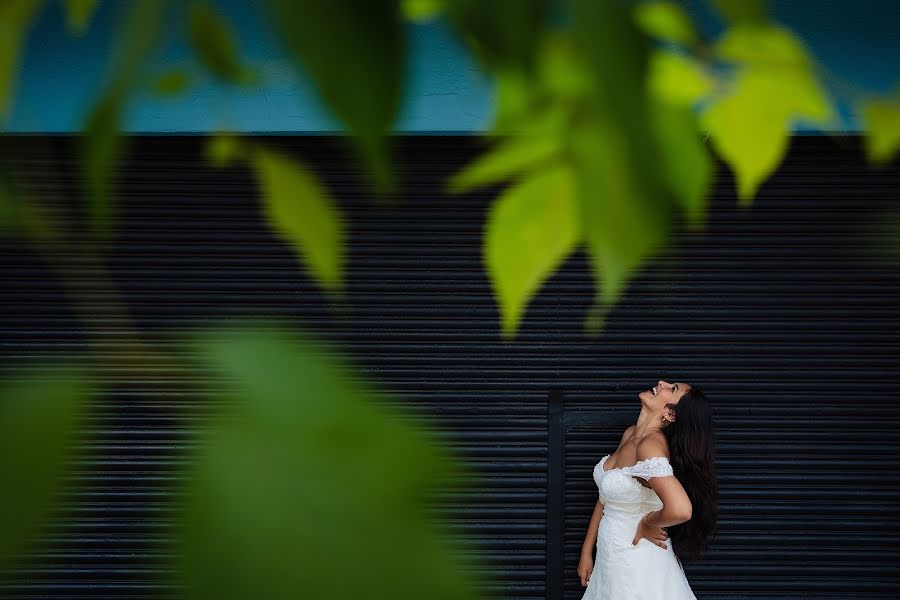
(618, 489)
(655, 466)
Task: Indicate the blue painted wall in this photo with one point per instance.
(446, 92)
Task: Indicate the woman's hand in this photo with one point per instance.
(585, 568)
(657, 535)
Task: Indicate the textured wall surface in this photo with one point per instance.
(782, 313)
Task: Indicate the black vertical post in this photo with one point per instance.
(555, 494)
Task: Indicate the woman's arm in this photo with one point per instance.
(673, 512)
(676, 503)
(590, 540)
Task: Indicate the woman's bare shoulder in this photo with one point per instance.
(654, 444)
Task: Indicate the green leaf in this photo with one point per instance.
(515, 97)
(172, 83)
(882, 123)
(40, 407)
(774, 84)
(666, 21)
(502, 34)
(78, 14)
(16, 20)
(302, 468)
(299, 207)
(678, 79)
(743, 11)
(507, 159)
(616, 55)
(355, 53)
(422, 10)
(532, 227)
(211, 37)
(686, 162)
(762, 45)
(625, 210)
(562, 68)
(676, 83)
(750, 131)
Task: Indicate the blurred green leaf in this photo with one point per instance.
(551, 119)
(355, 53)
(678, 79)
(562, 69)
(686, 163)
(881, 235)
(40, 406)
(507, 159)
(625, 210)
(172, 83)
(676, 82)
(882, 123)
(304, 485)
(768, 44)
(532, 228)
(102, 145)
(502, 34)
(515, 96)
(666, 21)
(774, 84)
(78, 14)
(541, 103)
(625, 216)
(11, 205)
(747, 134)
(20, 213)
(16, 20)
(743, 11)
(422, 10)
(224, 148)
(211, 37)
(103, 148)
(299, 207)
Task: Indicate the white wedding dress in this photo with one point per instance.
(623, 571)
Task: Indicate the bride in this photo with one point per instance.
(658, 500)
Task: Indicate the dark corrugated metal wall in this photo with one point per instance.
(781, 313)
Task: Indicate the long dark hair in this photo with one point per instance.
(692, 446)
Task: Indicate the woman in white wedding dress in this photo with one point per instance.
(660, 482)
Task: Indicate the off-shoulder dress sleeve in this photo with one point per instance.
(655, 466)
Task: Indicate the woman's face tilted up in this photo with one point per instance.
(663, 396)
